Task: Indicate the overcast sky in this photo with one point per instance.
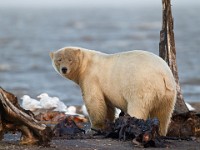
(70, 3)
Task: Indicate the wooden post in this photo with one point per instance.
(167, 51)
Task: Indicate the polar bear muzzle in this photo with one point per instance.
(64, 70)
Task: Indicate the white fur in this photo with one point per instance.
(137, 82)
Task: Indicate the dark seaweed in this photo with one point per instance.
(67, 127)
(145, 133)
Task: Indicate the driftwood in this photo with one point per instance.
(15, 118)
(185, 125)
(167, 51)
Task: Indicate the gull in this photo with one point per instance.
(48, 103)
(61, 107)
(31, 104)
(84, 110)
(71, 110)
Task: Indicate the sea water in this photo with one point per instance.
(27, 35)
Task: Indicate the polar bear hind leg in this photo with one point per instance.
(164, 114)
(142, 108)
(137, 109)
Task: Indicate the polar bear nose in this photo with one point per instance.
(64, 70)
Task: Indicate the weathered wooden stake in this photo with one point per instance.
(167, 51)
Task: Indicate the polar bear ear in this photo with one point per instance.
(51, 55)
(77, 52)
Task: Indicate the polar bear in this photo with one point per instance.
(137, 82)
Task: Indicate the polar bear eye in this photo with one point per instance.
(70, 60)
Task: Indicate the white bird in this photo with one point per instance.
(71, 110)
(61, 107)
(48, 103)
(190, 107)
(84, 110)
(31, 104)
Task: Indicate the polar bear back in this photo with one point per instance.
(137, 72)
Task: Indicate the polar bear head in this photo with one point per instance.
(66, 62)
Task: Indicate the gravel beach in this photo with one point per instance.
(98, 144)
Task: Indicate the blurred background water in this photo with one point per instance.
(28, 34)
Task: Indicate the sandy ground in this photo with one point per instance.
(98, 144)
(11, 142)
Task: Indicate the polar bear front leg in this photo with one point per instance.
(96, 107)
(110, 117)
